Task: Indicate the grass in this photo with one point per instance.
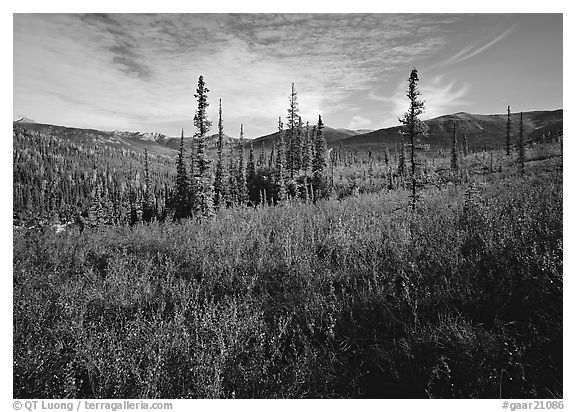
(354, 298)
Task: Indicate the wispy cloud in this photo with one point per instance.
(139, 71)
(144, 67)
(439, 96)
(473, 50)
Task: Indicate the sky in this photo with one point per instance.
(139, 72)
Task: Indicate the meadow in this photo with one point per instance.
(352, 297)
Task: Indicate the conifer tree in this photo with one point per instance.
(272, 158)
(232, 178)
(181, 208)
(292, 131)
(298, 145)
(253, 192)
(220, 179)
(508, 137)
(465, 147)
(313, 143)
(454, 157)
(521, 148)
(241, 172)
(307, 151)
(205, 191)
(148, 205)
(319, 162)
(413, 127)
(262, 157)
(193, 178)
(96, 211)
(280, 161)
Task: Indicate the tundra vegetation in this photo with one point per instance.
(300, 272)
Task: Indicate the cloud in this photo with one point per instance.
(473, 50)
(144, 68)
(358, 122)
(439, 96)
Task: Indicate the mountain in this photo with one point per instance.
(489, 130)
(137, 141)
(127, 140)
(480, 130)
(332, 135)
(355, 132)
(24, 120)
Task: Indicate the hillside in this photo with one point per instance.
(136, 141)
(480, 129)
(332, 135)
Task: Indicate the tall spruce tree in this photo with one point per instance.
(307, 151)
(465, 147)
(280, 162)
(508, 136)
(319, 162)
(241, 171)
(193, 177)
(253, 193)
(181, 209)
(413, 127)
(148, 203)
(220, 179)
(454, 156)
(298, 145)
(292, 131)
(232, 194)
(205, 191)
(521, 148)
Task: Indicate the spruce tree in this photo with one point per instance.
(307, 151)
(298, 145)
(508, 137)
(454, 157)
(319, 162)
(465, 147)
(521, 148)
(241, 172)
(193, 178)
(272, 158)
(181, 209)
(280, 162)
(253, 193)
(413, 127)
(220, 179)
(262, 157)
(148, 205)
(205, 191)
(232, 194)
(292, 131)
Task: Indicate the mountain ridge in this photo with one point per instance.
(480, 129)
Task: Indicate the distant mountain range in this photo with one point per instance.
(480, 130)
(489, 130)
